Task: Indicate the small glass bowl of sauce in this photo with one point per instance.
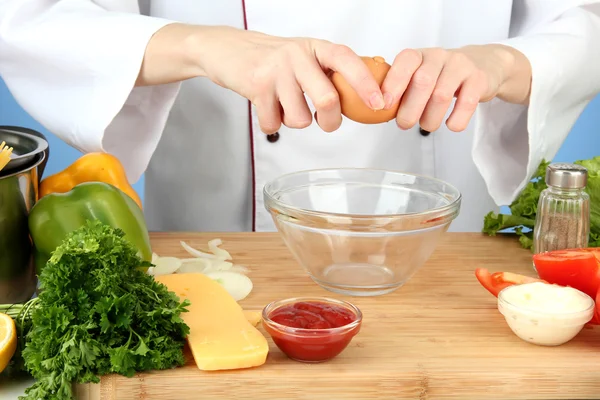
(311, 329)
(545, 314)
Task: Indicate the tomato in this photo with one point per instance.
(497, 281)
(578, 268)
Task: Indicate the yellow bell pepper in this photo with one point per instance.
(91, 167)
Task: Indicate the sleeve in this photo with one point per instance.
(559, 37)
(72, 66)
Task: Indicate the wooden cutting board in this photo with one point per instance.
(438, 337)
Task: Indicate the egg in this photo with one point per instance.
(353, 106)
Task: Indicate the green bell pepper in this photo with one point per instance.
(57, 214)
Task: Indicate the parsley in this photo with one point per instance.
(98, 313)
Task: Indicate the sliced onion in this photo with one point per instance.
(219, 265)
(166, 265)
(213, 246)
(239, 268)
(215, 243)
(197, 253)
(215, 266)
(194, 267)
(237, 285)
(194, 260)
(200, 262)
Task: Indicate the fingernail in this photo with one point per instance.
(388, 99)
(377, 102)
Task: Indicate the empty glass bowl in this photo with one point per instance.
(361, 232)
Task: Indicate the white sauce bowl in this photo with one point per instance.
(544, 314)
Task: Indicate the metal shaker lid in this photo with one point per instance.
(566, 176)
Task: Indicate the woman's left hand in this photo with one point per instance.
(425, 81)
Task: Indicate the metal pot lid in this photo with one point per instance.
(26, 146)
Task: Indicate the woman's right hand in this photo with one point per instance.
(274, 73)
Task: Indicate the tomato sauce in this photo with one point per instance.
(313, 330)
(312, 315)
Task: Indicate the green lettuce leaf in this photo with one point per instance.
(593, 190)
(523, 210)
(525, 205)
(494, 223)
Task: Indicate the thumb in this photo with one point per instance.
(342, 59)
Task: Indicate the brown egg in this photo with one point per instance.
(352, 105)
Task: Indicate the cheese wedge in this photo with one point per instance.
(221, 337)
(254, 317)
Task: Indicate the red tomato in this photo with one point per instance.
(497, 281)
(578, 268)
(595, 251)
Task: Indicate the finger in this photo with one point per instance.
(396, 81)
(322, 93)
(268, 111)
(419, 89)
(296, 113)
(466, 102)
(453, 74)
(345, 61)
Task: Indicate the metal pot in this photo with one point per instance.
(27, 145)
(18, 194)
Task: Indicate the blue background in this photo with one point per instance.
(583, 141)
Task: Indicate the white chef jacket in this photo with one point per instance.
(72, 65)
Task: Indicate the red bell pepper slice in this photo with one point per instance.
(577, 268)
(497, 281)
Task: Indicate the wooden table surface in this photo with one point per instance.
(438, 337)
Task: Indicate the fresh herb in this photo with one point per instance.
(523, 209)
(98, 313)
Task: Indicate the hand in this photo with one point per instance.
(275, 72)
(425, 81)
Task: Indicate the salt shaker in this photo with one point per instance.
(563, 213)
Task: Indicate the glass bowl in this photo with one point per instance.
(361, 232)
(311, 344)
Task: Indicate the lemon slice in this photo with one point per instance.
(8, 340)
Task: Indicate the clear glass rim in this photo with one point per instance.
(441, 213)
(312, 332)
